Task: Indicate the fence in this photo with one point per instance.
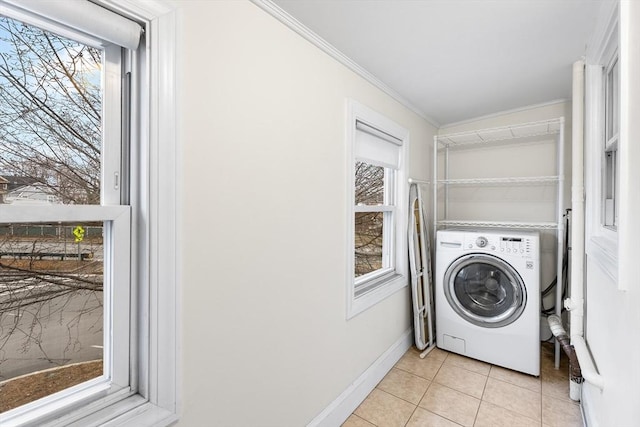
(60, 231)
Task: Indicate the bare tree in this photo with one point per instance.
(50, 111)
(50, 133)
(369, 190)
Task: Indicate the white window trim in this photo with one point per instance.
(156, 369)
(601, 241)
(628, 267)
(393, 282)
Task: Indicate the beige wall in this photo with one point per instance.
(265, 340)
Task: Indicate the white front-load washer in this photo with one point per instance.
(487, 295)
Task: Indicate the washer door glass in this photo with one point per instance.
(485, 290)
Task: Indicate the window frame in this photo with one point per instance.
(363, 283)
(116, 373)
(367, 290)
(601, 241)
(151, 396)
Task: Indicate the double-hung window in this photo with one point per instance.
(377, 243)
(603, 140)
(80, 287)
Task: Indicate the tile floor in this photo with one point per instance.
(448, 390)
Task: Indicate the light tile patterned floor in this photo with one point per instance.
(448, 390)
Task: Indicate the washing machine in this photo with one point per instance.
(487, 295)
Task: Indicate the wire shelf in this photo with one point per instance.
(505, 180)
(499, 224)
(526, 130)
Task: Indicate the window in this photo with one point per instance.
(52, 135)
(86, 126)
(377, 243)
(374, 212)
(610, 181)
(602, 125)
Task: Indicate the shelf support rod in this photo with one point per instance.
(560, 232)
(446, 186)
(435, 188)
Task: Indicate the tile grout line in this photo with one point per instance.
(435, 413)
(475, 419)
(487, 376)
(398, 397)
(365, 420)
(413, 412)
(431, 381)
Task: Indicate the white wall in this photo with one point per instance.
(612, 332)
(613, 297)
(265, 340)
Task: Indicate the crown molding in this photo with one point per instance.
(295, 25)
(503, 113)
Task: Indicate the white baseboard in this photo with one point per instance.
(339, 410)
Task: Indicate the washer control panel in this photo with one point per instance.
(499, 244)
(515, 245)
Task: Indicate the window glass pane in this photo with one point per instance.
(51, 308)
(51, 274)
(609, 188)
(610, 162)
(50, 117)
(369, 182)
(613, 93)
(612, 126)
(368, 242)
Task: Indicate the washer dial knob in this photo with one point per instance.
(481, 242)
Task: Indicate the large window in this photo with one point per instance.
(65, 236)
(79, 286)
(377, 245)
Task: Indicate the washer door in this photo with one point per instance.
(485, 290)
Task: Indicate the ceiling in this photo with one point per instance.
(456, 60)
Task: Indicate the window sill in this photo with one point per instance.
(373, 281)
(145, 415)
(373, 297)
(117, 409)
(133, 411)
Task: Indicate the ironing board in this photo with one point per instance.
(421, 278)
